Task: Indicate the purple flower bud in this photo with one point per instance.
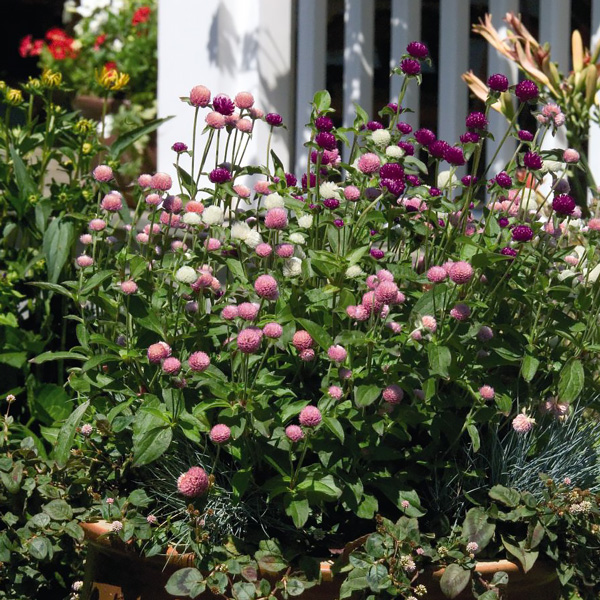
(498, 82)
(273, 119)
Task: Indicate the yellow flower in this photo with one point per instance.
(87, 148)
(111, 79)
(51, 79)
(14, 97)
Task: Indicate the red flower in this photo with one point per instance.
(111, 65)
(26, 46)
(99, 41)
(141, 15)
(37, 48)
(60, 44)
(58, 35)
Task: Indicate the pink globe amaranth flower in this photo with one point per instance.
(372, 282)
(244, 100)
(276, 218)
(86, 430)
(219, 434)
(294, 433)
(429, 323)
(570, 155)
(161, 182)
(310, 416)
(284, 250)
(563, 204)
(200, 96)
(242, 191)
(337, 353)
(244, 125)
(169, 219)
(198, 362)
(248, 310)
(159, 351)
(145, 180)
(594, 224)
(173, 204)
(526, 90)
(460, 312)
(263, 250)
(386, 292)
(266, 287)
(369, 163)
(212, 244)
(437, 274)
(248, 340)
(395, 327)
(335, 392)
(417, 50)
(371, 303)
(498, 82)
(523, 423)
(193, 206)
(307, 355)
(393, 394)
(153, 199)
(193, 483)
(232, 120)
(86, 239)
(344, 373)
(416, 335)
(102, 173)
(522, 233)
(384, 275)
(142, 238)
(111, 202)
(215, 120)
(229, 312)
(171, 365)
(256, 113)
(262, 187)
(351, 193)
(97, 225)
(84, 261)
(129, 287)
(460, 272)
(273, 330)
(487, 392)
(302, 340)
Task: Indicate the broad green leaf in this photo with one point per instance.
(57, 245)
(478, 528)
(48, 356)
(454, 580)
(49, 403)
(40, 547)
(378, 578)
(243, 590)
(439, 359)
(58, 510)
(127, 139)
(95, 280)
(66, 435)
(299, 510)
(318, 333)
(322, 101)
(152, 445)
(186, 582)
(295, 587)
(526, 557)
(365, 395)
(507, 496)
(529, 367)
(25, 182)
(571, 381)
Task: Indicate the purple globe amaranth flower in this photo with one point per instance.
(454, 155)
(404, 128)
(413, 180)
(424, 136)
(526, 90)
(224, 105)
(290, 179)
(339, 223)
(408, 148)
(179, 147)
(533, 161)
(394, 106)
(503, 222)
(468, 180)
(326, 140)
(376, 253)
(438, 148)
(563, 204)
(417, 50)
(435, 192)
(374, 125)
(476, 120)
(274, 119)
(470, 137)
(394, 186)
(219, 175)
(331, 203)
(508, 251)
(391, 171)
(324, 123)
(525, 136)
(503, 179)
(498, 82)
(313, 180)
(410, 66)
(522, 233)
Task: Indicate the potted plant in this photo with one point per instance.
(358, 352)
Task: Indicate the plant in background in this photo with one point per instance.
(319, 349)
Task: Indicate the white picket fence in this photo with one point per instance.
(276, 49)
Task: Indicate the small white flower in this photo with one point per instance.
(394, 152)
(274, 200)
(381, 137)
(192, 218)
(297, 238)
(292, 267)
(529, 202)
(444, 179)
(329, 190)
(552, 166)
(186, 275)
(253, 238)
(77, 585)
(117, 45)
(240, 231)
(354, 271)
(213, 215)
(305, 221)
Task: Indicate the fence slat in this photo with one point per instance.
(406, 27)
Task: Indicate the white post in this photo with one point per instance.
(311, 68)
(358, 58)
(453, 62)
(499, 64)
(594, 141)
(406, 28)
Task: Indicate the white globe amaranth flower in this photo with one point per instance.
(381, 137)
(253, 239)
(529, 202)
(329, 190)
(240, 231)
(213, 215)
(274, 200)
(394, 152)
(117, 45)
(299, 253)
(305, 221)
(192, 218)
(552, 166)
(292, 267)
(446, 178)
(297, 238)
(354, 271)
(186, 275)
(591, 276)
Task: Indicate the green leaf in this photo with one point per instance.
(454, 580)
(318, 333)
(58, 510)
(139, 498)
(186, 582)
(12, 481)
(365, 395)
(152, 445)
(25, 182)
(335, 427)
(294, 587)
(439, 359)
(526, 557)
(57, 244)
(474, 435)
(95, 280)
(368, 507)
(571, 380)
(130, 137)
(49, 403)
(507, 496)
(322, 101)
(478, 528)
(54, 287)
(40, 547)
(66, 435)
(48, 356)
(299, 510)
(243, 590)
(529, 367)
(378, 578)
